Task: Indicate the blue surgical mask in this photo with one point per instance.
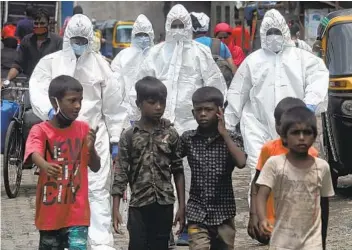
(79, 49)
(142, 42)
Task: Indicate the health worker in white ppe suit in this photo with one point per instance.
(127, 62)
(183, 65)
(101, 107)
(268, 75)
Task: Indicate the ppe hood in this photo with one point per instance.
(274, 19)
(143, 25)
(203, 20)
(179, 12)
(79, 25)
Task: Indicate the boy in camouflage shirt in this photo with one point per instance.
(148, 156)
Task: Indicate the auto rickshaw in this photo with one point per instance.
(121, 36)
(334, 41)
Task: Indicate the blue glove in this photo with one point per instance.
(114, 151)
(51, 113)
(312, 107)
(132, 122)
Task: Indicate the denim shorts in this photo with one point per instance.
(73, 238)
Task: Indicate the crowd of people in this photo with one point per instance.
(165, 117)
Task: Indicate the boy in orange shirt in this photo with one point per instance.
(271, 148)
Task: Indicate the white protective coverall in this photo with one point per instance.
(183, 65)
(101, 107)
(127, 65)
(303, 45)
(264, 79)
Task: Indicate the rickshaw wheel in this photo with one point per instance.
(13, 158)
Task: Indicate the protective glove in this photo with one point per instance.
(312, 107)
(51, 113)
(114, 151)
(132, 123)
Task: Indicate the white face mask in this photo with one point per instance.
(275, 42)
(178, 34)
(79, 49)
(142, 42)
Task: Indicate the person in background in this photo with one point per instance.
(267, 76)
(101, 107)
(127, 62)
(8, 53)
(147, 159)
(25, 25)
(200, 26)
(34, 46)
(271, 148)
(183, 65)
(223, 31)
(237, 37)
(63, 213)
(212, 153)
(294, 30)
(76, 10)
(301, 185)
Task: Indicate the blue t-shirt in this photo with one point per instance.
(207, 41)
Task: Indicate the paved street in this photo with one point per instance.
(19, 233)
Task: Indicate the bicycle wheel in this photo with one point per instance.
(13, 160)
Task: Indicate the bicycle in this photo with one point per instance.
(15, 144)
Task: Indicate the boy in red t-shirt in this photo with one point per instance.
(63, 148)
(271, 148)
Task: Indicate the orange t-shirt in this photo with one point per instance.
(269, 149)
(61, 202)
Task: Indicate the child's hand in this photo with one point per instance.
(91, 139)
(221, 122)
(165, 123)
(253, 226)
(180, 218)
(52, 169)
(117, 220)
(265, 227)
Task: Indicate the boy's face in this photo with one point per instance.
(70, 104)
(152, 109)
(299, 138)
(205, 114)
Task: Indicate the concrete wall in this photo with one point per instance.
(129, 10)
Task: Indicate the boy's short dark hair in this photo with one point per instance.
(42, 13)
(77, 10)
(286, 104)
(208, 94)
(150, 88)
(61, 84)
(298, 115)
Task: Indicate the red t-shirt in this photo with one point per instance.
(61, 202)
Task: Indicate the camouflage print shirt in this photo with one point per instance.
(146, 161)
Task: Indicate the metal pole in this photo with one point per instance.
(6, 14)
